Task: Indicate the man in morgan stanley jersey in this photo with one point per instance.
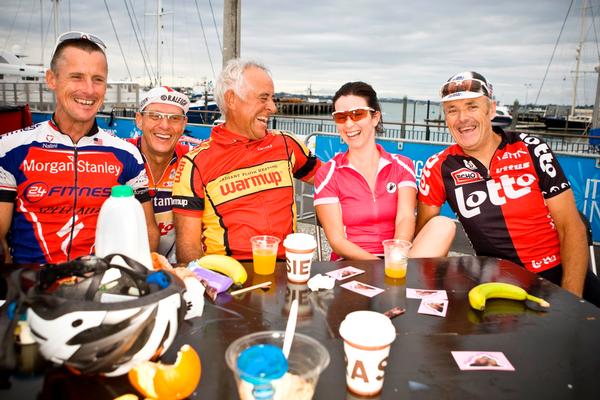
(54, 176)
(508, 190)
(239, 183)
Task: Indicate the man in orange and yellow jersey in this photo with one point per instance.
(240, 182)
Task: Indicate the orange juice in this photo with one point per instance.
(264, 261)
(396, 269)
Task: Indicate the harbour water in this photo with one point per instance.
(416, 112)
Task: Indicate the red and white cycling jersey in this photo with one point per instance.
(503, 209)
(58, 188)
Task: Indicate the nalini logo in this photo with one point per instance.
(390, 187)
(464, 176)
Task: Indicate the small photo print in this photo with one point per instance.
(433, 306)
(482, 360)
(345, 273)
(422, 293)
(362, 288)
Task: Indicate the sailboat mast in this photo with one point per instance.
(42, 31)
(158, 43)
(578, 57)
(231, 29)
(55, 10)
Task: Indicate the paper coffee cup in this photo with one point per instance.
(367, 337)
(299, 249)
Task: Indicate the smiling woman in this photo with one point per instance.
(366, 195)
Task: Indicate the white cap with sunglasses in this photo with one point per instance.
(165, 95)
(76, 35)
(465, 85)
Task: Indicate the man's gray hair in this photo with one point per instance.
(232, 78)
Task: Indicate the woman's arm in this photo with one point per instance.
(405, 215)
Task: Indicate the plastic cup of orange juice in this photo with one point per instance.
(264, 253)
(396, 257)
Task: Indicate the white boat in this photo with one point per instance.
(14, 70)
(502, 118)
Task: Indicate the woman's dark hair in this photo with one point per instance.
(366, 91)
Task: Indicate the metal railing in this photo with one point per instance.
(40, 98)
(435, 133)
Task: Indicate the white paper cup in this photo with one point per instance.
(299, 250)
(367, 336)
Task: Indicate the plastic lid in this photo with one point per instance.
(261, 364)
(121, 191)
(300, 241)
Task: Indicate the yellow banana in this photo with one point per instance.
(493, 290)
(225, 265)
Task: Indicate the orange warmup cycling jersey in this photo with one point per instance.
(241, 188)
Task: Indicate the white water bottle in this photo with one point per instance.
(121, 228)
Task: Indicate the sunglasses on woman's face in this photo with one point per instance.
(355, 114)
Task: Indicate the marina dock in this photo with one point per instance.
(303, 107)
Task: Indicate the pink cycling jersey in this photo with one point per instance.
(368, 217)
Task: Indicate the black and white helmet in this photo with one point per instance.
(80, 320)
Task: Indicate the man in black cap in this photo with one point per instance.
(507, 189)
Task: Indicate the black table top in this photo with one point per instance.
(556, 354)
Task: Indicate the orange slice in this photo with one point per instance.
(168, 381)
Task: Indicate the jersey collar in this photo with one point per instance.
(93, 130)
(222, 135)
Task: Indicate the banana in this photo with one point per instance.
(225, 265)
(493, 290)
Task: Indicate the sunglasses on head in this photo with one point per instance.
(158, 116)
(355, 114)
(468, 85)
(75, 35)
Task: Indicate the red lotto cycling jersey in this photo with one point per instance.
(58, 188)
(501, 209)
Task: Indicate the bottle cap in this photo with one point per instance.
(121, 191)
(261, 364)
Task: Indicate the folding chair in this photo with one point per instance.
(318, 237)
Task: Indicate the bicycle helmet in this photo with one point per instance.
(93, 326)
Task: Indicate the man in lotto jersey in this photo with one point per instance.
(507, 189)
(54, 176)
(162, 119)
(239, 183)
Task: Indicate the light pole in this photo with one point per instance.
(527, 86)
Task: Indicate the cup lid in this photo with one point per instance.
(300, 241)
(262, 363)
(367, 328)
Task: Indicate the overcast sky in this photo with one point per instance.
(402, 47)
